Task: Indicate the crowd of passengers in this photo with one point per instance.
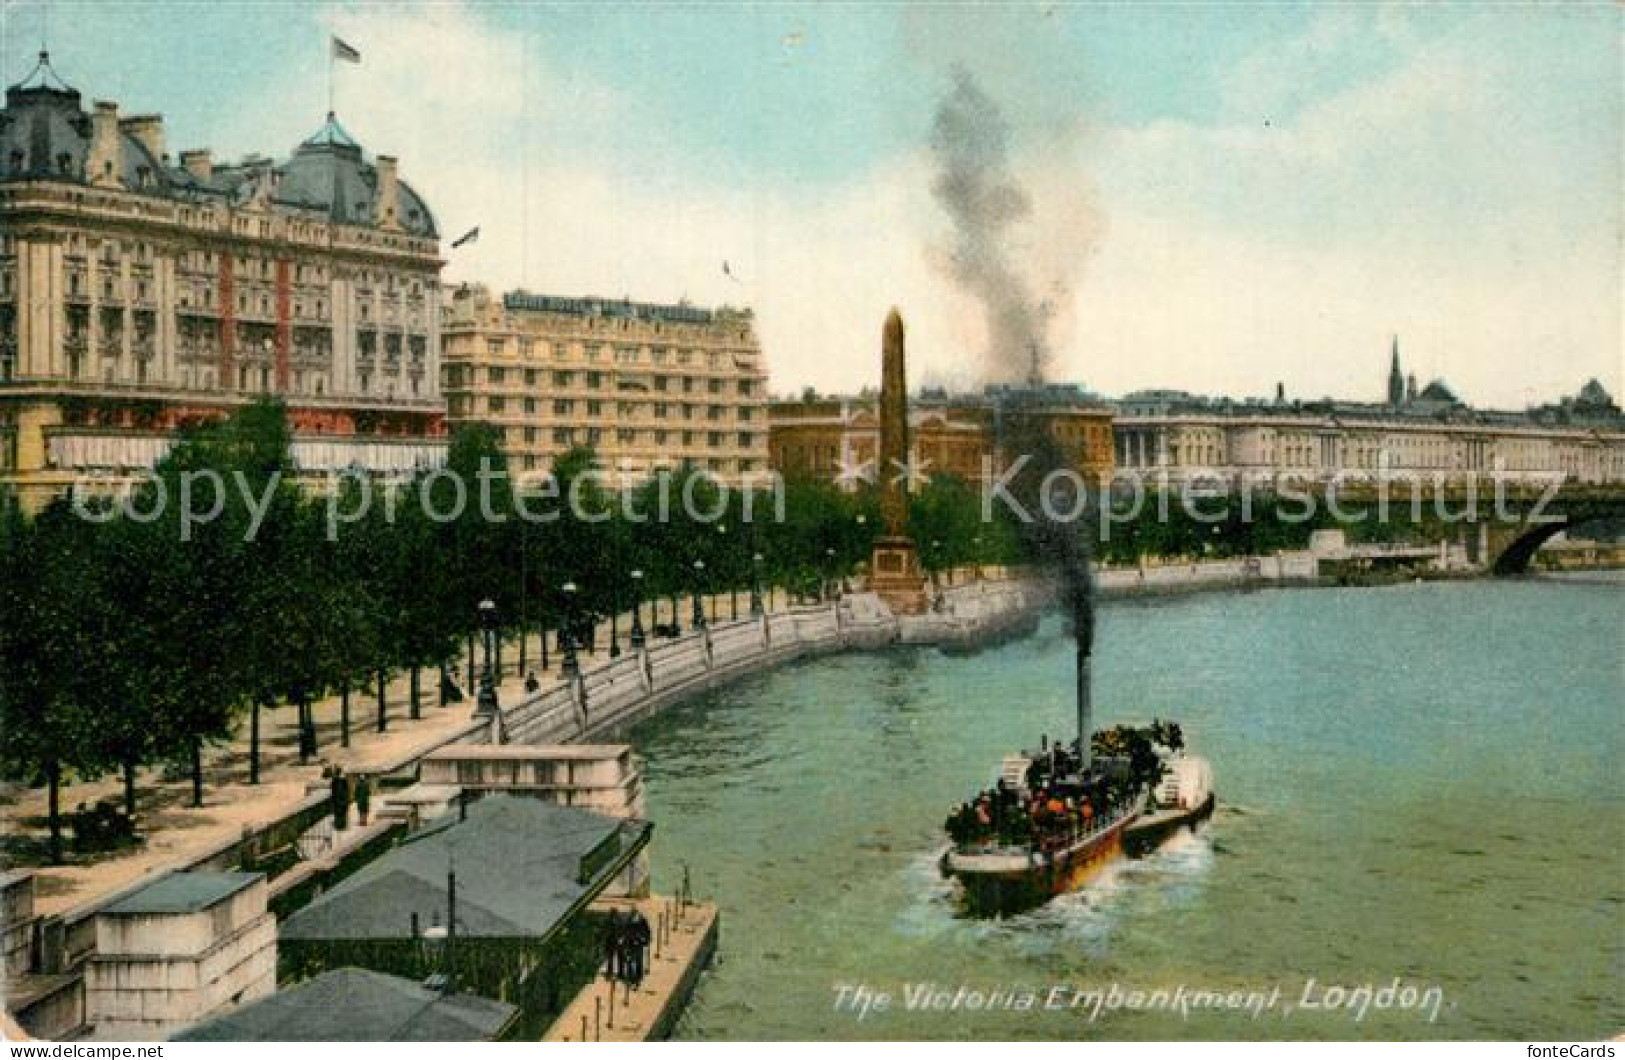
(1059, 806)
(1056, 809)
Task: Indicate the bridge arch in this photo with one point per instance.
(1513, 547)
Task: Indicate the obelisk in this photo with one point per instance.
(893, 467)
(894, 566)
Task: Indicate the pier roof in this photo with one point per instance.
(523, 865)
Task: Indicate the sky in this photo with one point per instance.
(1222, 196)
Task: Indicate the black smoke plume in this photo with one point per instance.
(976, 185)
(986, 203)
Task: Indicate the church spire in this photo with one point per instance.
(1396, 378)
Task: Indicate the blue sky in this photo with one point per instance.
(1224, 195)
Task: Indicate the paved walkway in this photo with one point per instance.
(613, 1012)
(176, 832)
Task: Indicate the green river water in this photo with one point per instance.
(1420, 783)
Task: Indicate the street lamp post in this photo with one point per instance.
(637, 637)
(615, 623)
(829, 572)
(572, 665)
(756, 585)
(698, 620)
(487, 703)
(936, 565)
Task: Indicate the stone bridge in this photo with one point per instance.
(1503, 524)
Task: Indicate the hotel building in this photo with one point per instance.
(139, 293)
(644, 386)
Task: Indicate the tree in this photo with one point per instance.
(48, 718)
(216, 569)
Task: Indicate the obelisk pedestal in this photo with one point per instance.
(894, 565)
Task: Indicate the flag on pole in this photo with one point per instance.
(469, 236)
(343, 51)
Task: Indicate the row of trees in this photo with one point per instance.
(140, 635)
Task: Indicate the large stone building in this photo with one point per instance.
(964, 436)
(1427, 433)
(139, 293)
(644, 386)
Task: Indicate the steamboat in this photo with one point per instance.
(1056, 816)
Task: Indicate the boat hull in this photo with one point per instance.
(1002, 884)
(1151, 830)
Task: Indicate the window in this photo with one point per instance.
(530, 405)
(714, 439)
(714, 386)
(595, 408)
(562, 435)
(744, 439)
(530, 376)
(563, 406)
(660, 383)
(595, 380)
(495, 403)
(563, 378)
(688, 384)
(745, 387)
(493, 347)
(497, 376)
(626, 436)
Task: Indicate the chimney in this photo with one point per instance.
(149, 129)
(386, 206)
(199, 163)
(101, 162)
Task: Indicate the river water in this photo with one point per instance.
(1420, 783)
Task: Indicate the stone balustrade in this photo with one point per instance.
(609, 698)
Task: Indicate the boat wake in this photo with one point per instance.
(1170, 877)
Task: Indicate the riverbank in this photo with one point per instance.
(241, 823)
(603, 702)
